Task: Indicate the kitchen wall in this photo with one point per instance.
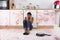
(42, 3)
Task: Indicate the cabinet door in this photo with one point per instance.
(45, 17)
(58, 19)
(4, 17)
(33, 12)
(16, 17)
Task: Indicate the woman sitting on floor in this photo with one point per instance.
(27, 23)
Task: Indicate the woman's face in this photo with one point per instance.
(28, 15)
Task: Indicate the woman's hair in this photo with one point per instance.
(29, 13)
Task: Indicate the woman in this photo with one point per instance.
(27, 23)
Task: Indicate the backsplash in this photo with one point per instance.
(34, 4)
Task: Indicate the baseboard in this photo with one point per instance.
(21, 27)
(11, 27)
(45, 27)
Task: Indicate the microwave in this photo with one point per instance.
(4, 4)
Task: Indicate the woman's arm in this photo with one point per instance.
(31, 19)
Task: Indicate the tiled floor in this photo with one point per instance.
(17, 34)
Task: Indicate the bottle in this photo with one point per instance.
(23, 7)
(34, 7)
(37, 6)
(30, 6)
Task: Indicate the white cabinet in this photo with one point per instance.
(45, 17)
(16, 17)
(4, 17)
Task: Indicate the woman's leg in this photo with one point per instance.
(25, 25)
(31, 26)
(28, 30)
(28, 26)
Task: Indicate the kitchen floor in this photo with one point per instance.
(17, 34)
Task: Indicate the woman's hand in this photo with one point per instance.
(26, 18)
(31, 19)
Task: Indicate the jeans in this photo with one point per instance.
(27, 24)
